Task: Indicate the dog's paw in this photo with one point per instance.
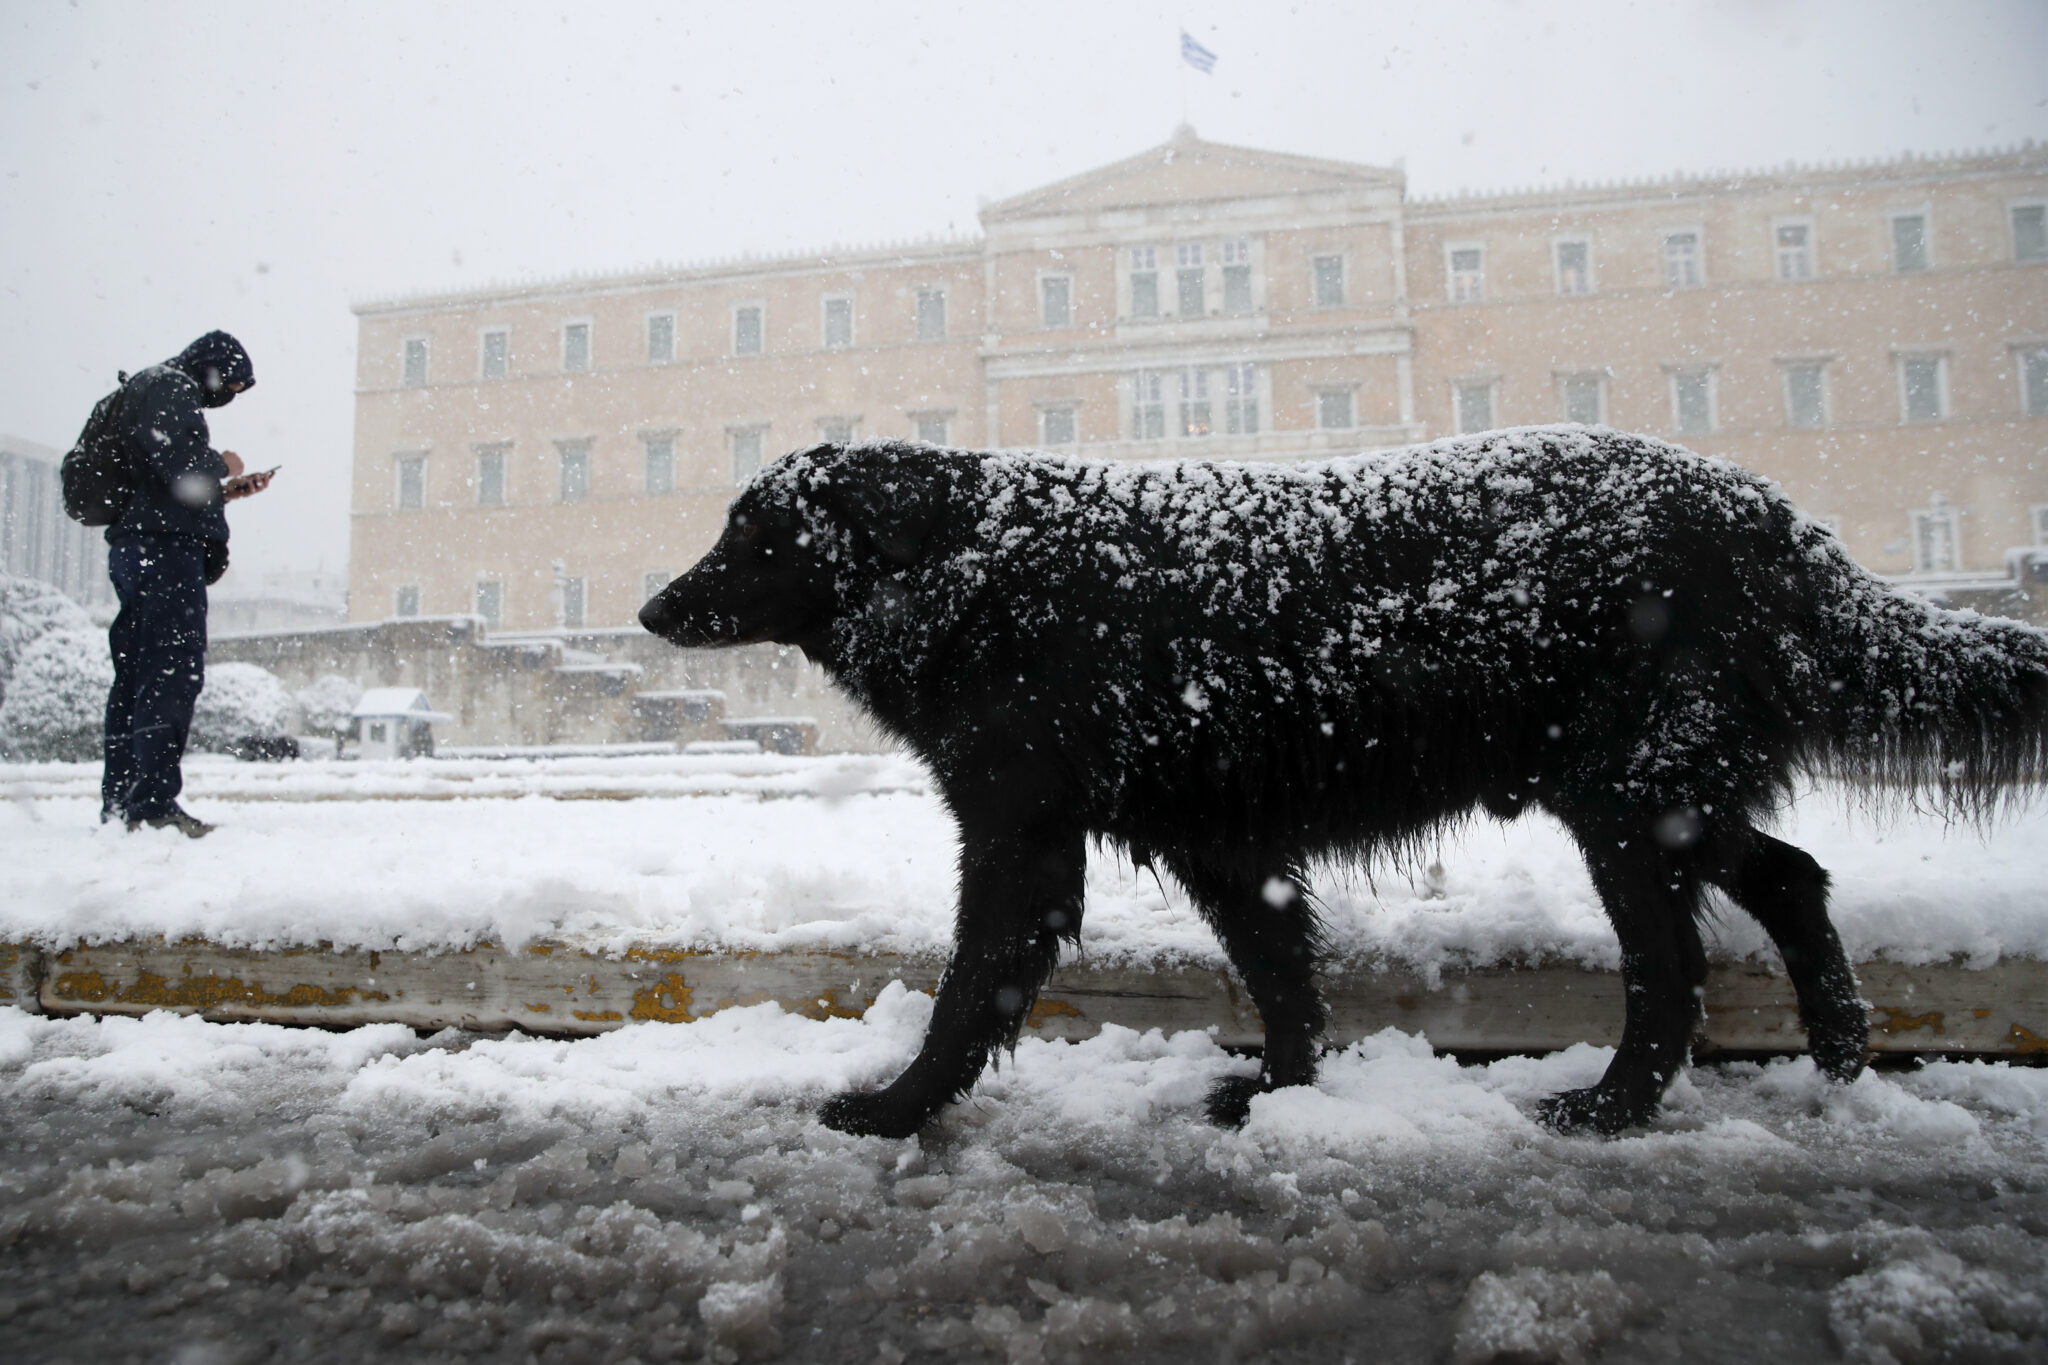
(1593, 1110)
(872, 1113)
(1840, 1049)
(1230, 1100)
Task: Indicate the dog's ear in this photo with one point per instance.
(895, 503)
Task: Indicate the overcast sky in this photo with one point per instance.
(166, 168)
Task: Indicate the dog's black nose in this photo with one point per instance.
(651, 616)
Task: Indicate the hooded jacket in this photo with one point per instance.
(178, 472)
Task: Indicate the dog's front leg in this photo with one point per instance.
(1020, 894)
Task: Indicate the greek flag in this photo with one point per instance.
(1195, 55)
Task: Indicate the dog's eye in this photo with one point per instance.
(748, 530)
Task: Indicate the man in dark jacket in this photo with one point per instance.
(167, 546)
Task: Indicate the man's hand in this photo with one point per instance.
(246, 484)
(234, 463)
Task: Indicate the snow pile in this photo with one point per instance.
(1926, 1305)
(29, 610)
(664, 1192)
(239, 700)
(326, 708)
(56, 700)
(856, 855)
(1536, 1314)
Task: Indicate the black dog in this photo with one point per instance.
(1232, 671)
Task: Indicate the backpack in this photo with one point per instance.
(98, 475)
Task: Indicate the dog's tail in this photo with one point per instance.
(1919, 700)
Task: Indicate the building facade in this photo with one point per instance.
(37, 539)
(1874, 337)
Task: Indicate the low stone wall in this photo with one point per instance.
(575, 687)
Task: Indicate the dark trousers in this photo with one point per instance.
(159, 646)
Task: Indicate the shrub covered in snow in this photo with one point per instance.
(325, 706)
(29, 610)
(239, 700)
(56, 700)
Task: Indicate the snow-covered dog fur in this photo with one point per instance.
(1233, 671)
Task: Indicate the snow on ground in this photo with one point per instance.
(176, 1190)
(848, 853)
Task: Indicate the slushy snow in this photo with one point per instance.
(173, 1189)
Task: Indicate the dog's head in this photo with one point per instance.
(804, 533)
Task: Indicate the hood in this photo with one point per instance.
(218, 365)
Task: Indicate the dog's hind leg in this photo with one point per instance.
(1020, 895)
(1651, 895)
(1262, 914)
(1786, 891)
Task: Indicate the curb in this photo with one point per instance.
(567, 990)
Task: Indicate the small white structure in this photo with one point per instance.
(396, 722)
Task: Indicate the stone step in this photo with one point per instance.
(568, 989)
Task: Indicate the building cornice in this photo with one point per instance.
(1010, 223)
(732, 269)
(2028, 158)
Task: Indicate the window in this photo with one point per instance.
(2034, 381)
(494, 350)
(575, 347)
(838, 323)
(1333, 409)
(1329, 281)
(746, 454)
(1682, 267)
(1584, 398)
(1475, 405)
(837, 430)
(406, 601)
(934, 427)
(1148, 406)
(490, 602)
(572, 603)
(1794, 244)
(1237, 276)
(931, 314)
(490, 476)
(1936, 546)
(661, 338)
(1806, 395)
(1574, 268)
(652, 582)
(1059, 426)
(1056, 300)
(661, 463)
(1465, 267)
(2041, 526)
(575, 484)
(1923, 388)
(1194, 403)
(412, 482)
(1909, 242)
(746, 329)
(1144, 282)
(2030, 232)
(415, 362)
(1192, 280)
(1241, 399)
(1692, 401)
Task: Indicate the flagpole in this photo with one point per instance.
(1182, 63)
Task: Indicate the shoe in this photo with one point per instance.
(183, 821)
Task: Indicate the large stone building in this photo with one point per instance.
(37, 539)
(1875, 337)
